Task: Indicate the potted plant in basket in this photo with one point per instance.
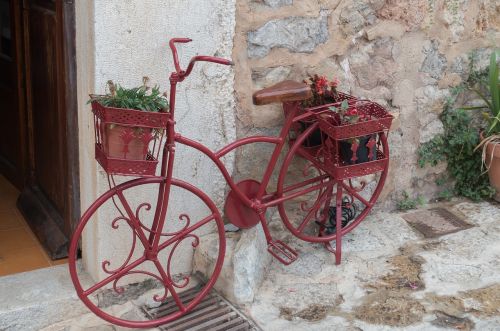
(323, 92)
(357, 149)
(490, 137)
(128, 141)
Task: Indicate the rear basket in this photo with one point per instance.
(379, 121)
(328, 154)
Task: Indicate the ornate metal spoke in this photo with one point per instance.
(156, 297)
(312, 211)
(182, 217)
(106, 263)
(195, 243)
(135, 222)
(355, 194)
(167, 282)
(360, 188)
(114, 276)
(185, 232)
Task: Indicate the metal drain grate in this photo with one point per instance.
(213, 313)
(436, 222)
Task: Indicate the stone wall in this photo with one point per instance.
(404, 54)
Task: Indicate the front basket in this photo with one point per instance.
(128, 141)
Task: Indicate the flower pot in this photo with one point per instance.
(493, 163)
(126, 142)
(362, 152)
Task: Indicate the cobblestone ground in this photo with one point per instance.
(391, 278)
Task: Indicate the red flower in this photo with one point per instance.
(321, 84)
(335, 82)
(352, 112)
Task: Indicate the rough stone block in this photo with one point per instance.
(411, 13)
(265, 77)
(434, 63)
(36, 299)
(298, 34)
(244, 265)
(386, 29)
(355, 16)
(431, 130)
(205, 257)
(278, 3)
(404, 92)
(250, 260)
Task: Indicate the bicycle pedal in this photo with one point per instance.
(282, 252)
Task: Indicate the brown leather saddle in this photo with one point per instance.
(285, 91)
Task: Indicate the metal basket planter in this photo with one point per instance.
(379, 120)
(127, 141)
(349, 150)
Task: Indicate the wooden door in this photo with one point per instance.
(12, 121)
(50, 199)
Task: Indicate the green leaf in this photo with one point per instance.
(495, 93)
(473, 107)
(493, 124)
(140, 98)
(344, 105)
(353, 119)
(481, 95)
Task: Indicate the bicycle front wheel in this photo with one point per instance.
(132, 276)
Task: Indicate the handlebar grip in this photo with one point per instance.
(174, 51)
(206, 59)
(180, 40)
(195, 59)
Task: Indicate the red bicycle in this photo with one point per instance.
(320, 194)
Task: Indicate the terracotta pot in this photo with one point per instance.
(115, 145)
(493, 163)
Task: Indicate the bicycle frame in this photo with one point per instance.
(262, 200)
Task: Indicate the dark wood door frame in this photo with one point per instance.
(15, 171)
(52, 228)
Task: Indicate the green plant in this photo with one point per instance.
(407, 203)
(492, 104)
(489, 91)
(349, 115)
(140, 98)
(457, 146)
(446, 194)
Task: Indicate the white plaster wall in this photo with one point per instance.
(126, 40)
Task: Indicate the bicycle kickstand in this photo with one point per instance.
(278, 249)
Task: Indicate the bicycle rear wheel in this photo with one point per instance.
(154, 277)
(312, 197)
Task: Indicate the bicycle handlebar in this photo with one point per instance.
(185, 73)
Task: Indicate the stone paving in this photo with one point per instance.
(391, 278)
